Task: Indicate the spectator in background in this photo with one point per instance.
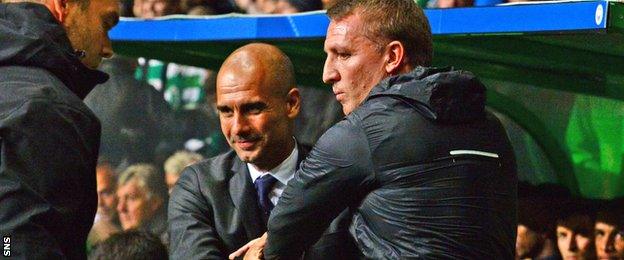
(106, 186)
(142, 196)
(536, 236)
(106, 221)
(176, 163)
(609, 231)
(134, 245)
(148, 9)
(575, 231)
(536, 220)
(288, 6)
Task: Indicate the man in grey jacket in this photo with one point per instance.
(48, 138)
(427, 172)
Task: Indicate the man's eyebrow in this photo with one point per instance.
(223, 108)
(253, 105)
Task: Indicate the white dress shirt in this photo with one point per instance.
(283, 173)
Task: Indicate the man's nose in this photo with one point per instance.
(121, 206)
(572, 247)
(107, 48)
(330, 75)
(240, 124)
(610, 244)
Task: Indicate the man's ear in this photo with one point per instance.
(395, 57)
(293, 105)
(58, 8)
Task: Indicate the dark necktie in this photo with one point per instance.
(264, 185)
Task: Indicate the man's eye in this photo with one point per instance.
(226, 114)
(255, 111)
(343, 55)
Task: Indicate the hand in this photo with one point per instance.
(252, 250)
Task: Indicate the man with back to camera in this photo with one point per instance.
(221, 203)
(427, 172)
(48, 138)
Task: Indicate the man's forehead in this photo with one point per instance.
(338, 29)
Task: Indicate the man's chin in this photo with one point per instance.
(246, 156)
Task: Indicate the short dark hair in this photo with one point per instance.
(612, 213)
(578, 215)
(132, 244)
(392, 20)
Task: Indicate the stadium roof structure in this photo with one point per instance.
(576, 47)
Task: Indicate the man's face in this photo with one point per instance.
(134, 207)
(354, 64)
(88, 29)
(255, 120)
(528, 242)
(574, 245)
(107, 201)
(154, 8)
(609, 241)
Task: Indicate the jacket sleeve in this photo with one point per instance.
(338, 172)
(191, 229)
(47, 178)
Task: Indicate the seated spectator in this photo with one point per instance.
(135, 245)
(574, 232)
(148, 9)
(106, 221)
(142, 195)
(176, 163)
(288, 6)
(106, 186)
(536, 220)
(609, 232)
(535, 238)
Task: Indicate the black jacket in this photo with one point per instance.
(213, 211)
(48, 138)
(427, 171)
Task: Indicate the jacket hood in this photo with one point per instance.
(443, 95)
(31, 36)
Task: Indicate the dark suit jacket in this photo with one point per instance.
(213, 211)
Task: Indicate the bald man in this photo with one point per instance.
(220, 204)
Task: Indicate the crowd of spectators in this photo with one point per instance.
(552, 224)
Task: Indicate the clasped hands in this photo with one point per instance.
(252, 250)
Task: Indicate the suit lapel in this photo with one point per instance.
(244, 196)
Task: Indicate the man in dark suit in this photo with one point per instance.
(220, 204)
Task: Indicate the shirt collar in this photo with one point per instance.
(283, 172)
